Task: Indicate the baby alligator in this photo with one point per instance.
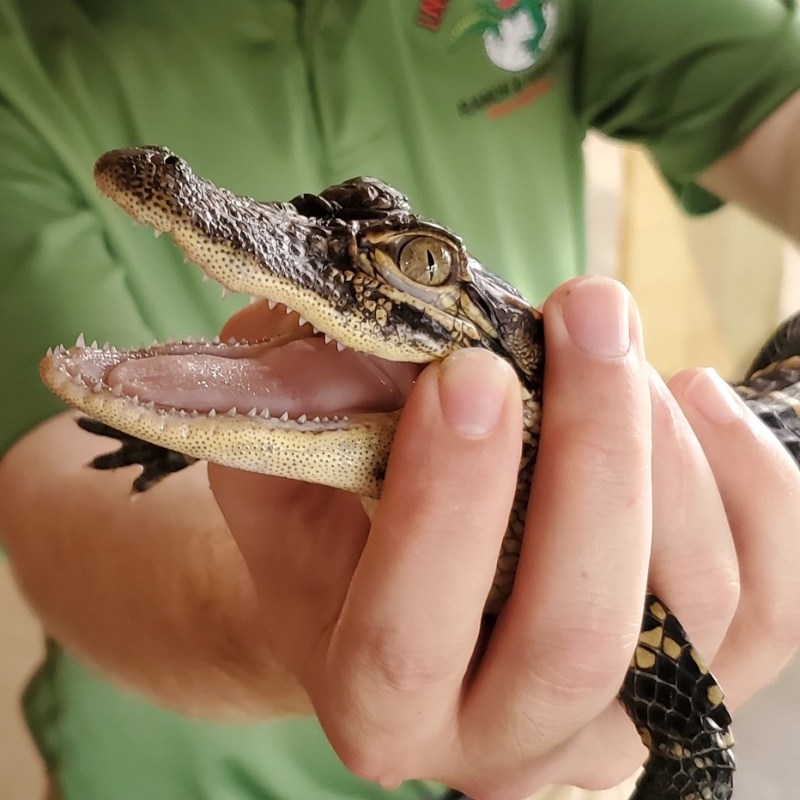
(369, 279)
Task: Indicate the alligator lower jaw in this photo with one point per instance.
(295, 406)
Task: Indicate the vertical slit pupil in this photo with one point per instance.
(431, 264)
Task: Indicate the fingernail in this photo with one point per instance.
(472, 391)
(713, 398)
(597, 315)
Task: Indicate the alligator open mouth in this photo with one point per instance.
(250, 405)
(292, 375)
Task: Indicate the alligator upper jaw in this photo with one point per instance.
(266, 250)
(269, 250)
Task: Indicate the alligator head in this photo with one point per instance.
(376, 292)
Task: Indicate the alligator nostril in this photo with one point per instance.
(170, 160)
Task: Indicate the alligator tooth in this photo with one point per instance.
(205, 277)
(271, 304)
(301, 320)
(182, 412)
(340, 347)
(302, 419)
(49, 352)
(253, 299)
(252, 412)
(324, 419)
(232, 341)
(157, 232)
(212, 413)
(114, 350)
(194, 413)
(345, 418)
(106, 347)
(97, 388)
(135, 399)
(117, 390)
(314, 329)
(232, 413)
(328, 338)
(284, 417)
(265, 413)
(287, 309)
(225, 293)
(61, 350)
(316, 419)
(80, 341)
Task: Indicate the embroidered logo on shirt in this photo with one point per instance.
(430, 13)
(516, 34)
(517, 37)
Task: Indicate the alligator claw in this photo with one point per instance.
(156, 462)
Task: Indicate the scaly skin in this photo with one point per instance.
(357, 265)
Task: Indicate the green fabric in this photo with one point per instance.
(272, 98)
(687, 79)
(114, 746)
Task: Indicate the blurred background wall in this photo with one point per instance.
(710, 289)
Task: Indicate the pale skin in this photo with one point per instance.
(308, 605)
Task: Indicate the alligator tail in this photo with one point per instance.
(677, 707)
(661, 781)
(772, 386)
(783, 344)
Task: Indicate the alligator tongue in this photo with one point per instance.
(304, 376)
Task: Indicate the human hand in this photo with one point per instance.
(382, 629)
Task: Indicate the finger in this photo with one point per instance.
(300, 541)
(693, 566)
(413, 613)
(565, 638)
(760, 487)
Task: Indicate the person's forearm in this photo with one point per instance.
(763, 173)
(150, 589)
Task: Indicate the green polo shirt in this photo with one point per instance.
(476, 110)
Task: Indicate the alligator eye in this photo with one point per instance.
(426, 260)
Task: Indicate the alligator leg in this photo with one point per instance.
(157, 462)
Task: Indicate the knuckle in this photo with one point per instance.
(716, 591)
(574, 663)
(722, 602)
(779, 620)
(610, 462)
(374, 762)
(403, 666)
